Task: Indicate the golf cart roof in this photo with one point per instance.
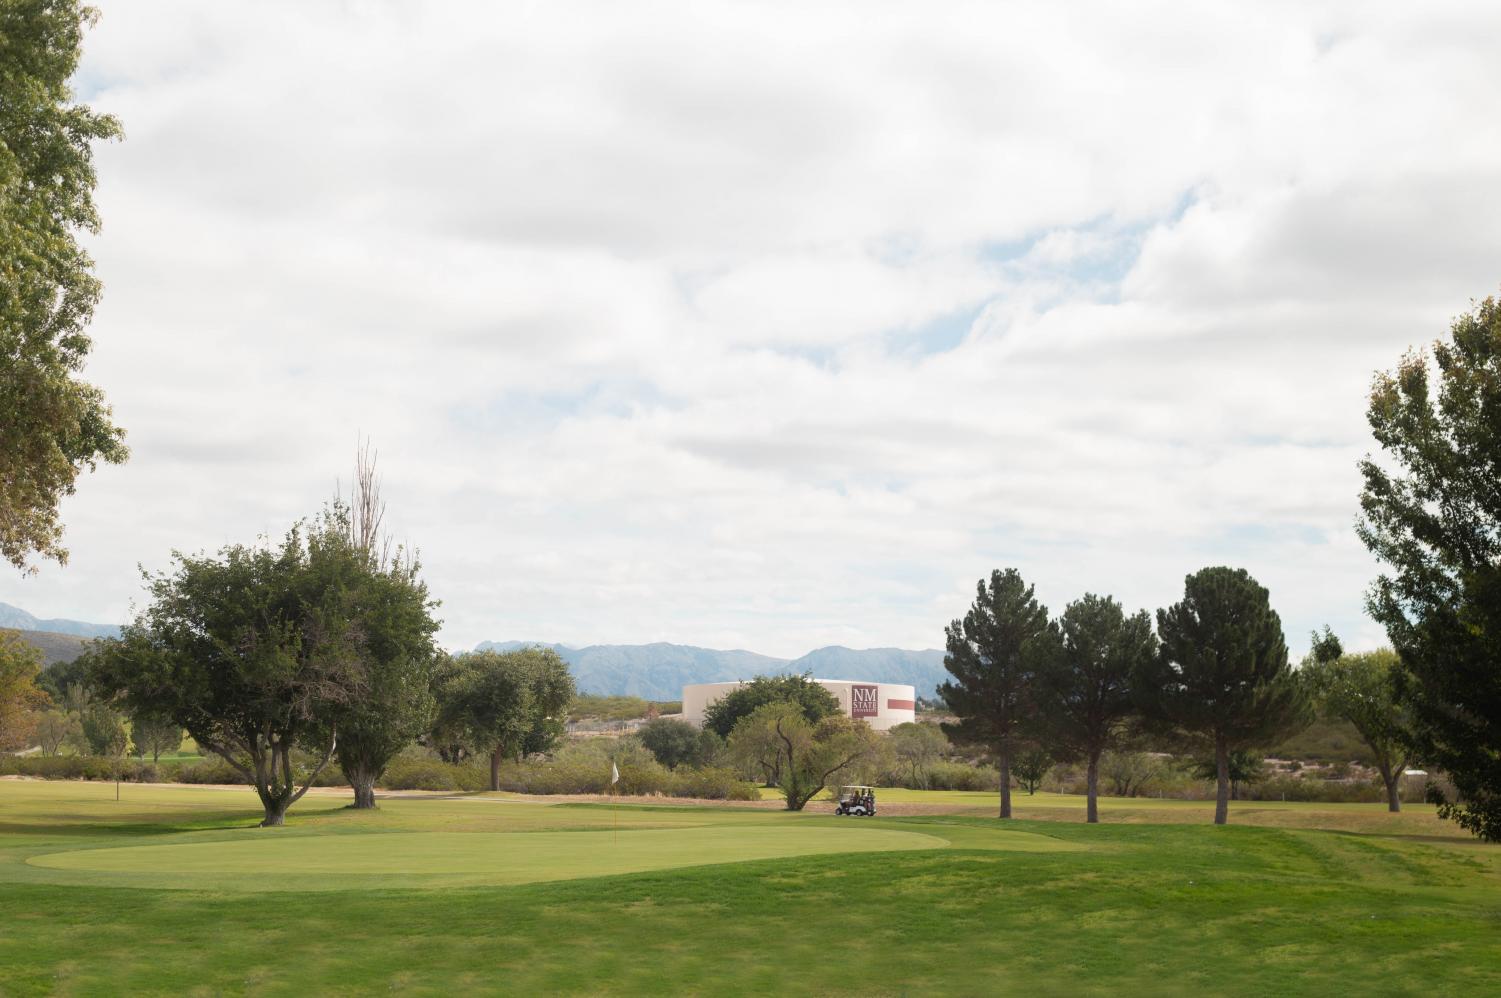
(856, 786)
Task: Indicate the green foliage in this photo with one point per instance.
(1362, 689)
(20, 664)
(587, 706)
(502, 704)
(1241, 766)
(806, 755)
(1432, 513)
(1085, 681)
(724, 714)
(52, 423)
(1030, 766)
(917, 747)
(1221, 679)
(104, 731)
(1127, 773)
(251, 652)
(675, 743)
(53, 729)
(154, 734)
(992, 655)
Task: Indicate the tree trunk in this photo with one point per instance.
(1393, 780)
(276, 808)
(1006, 782)
(495, 770)
(1092, 783)
(1222, 792)
(364, 792)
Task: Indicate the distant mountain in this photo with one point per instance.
(55, 648)
(19, 620)
(660, 671)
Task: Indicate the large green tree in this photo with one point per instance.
(992, 657)
(1362, 689)
(250, 651)
(1085, 682)
(722, 715)
(20, 664)
(499, 703)
(53, 424)
(152, 733)
(397, 652)
(1432, 513)
(1221, 679)
(808, 754)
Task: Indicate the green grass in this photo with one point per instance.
(176, 891)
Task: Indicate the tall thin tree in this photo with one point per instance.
(1086, 683)
(991, 656)
(1221, 678)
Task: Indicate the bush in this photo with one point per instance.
(432, 774)
(717, 783)
(210, 770)
(78, 767)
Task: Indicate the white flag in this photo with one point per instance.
(614, 774)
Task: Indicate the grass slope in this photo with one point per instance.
(963, 907)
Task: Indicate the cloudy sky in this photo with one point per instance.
(776, 325)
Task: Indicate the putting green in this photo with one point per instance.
(276, 861)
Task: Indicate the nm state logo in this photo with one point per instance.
(864, 701)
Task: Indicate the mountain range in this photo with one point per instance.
(15, 618)
(660, 671)
(653, 671)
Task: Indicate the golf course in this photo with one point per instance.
(175, 890)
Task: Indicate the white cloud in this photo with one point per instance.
(775, 325)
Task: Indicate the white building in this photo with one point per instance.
(881, 705)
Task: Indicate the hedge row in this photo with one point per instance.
(567, 775)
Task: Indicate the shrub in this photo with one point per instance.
(433, 774)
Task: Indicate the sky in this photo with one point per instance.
(775, 325)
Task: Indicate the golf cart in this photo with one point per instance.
(859, 801)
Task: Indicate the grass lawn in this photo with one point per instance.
(174, 890)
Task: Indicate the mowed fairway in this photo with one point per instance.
(173, 890)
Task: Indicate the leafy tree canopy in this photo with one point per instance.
(53, 424)
(1432, 512)
(502, 704)
(20, 664)
(722, 715)
(251, 651)
(808, 754)
(1362, 689)
(1221, 678)
(1086, 682)
(992, 655)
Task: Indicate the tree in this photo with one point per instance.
(397, 650)
(494, 702)
(1362, 689)
(1242, 767)
(1432, 512)
(1085, 682)
(992, 657)
(250, 651)
(53, 728)
(1030, 766)
(152, 733)
(917, 746)
(724, 714)
(1220, 679)
(809, 753)
(20, 664)
(103, 730)
(1128, 771)
(52, 423)
(673, 742)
